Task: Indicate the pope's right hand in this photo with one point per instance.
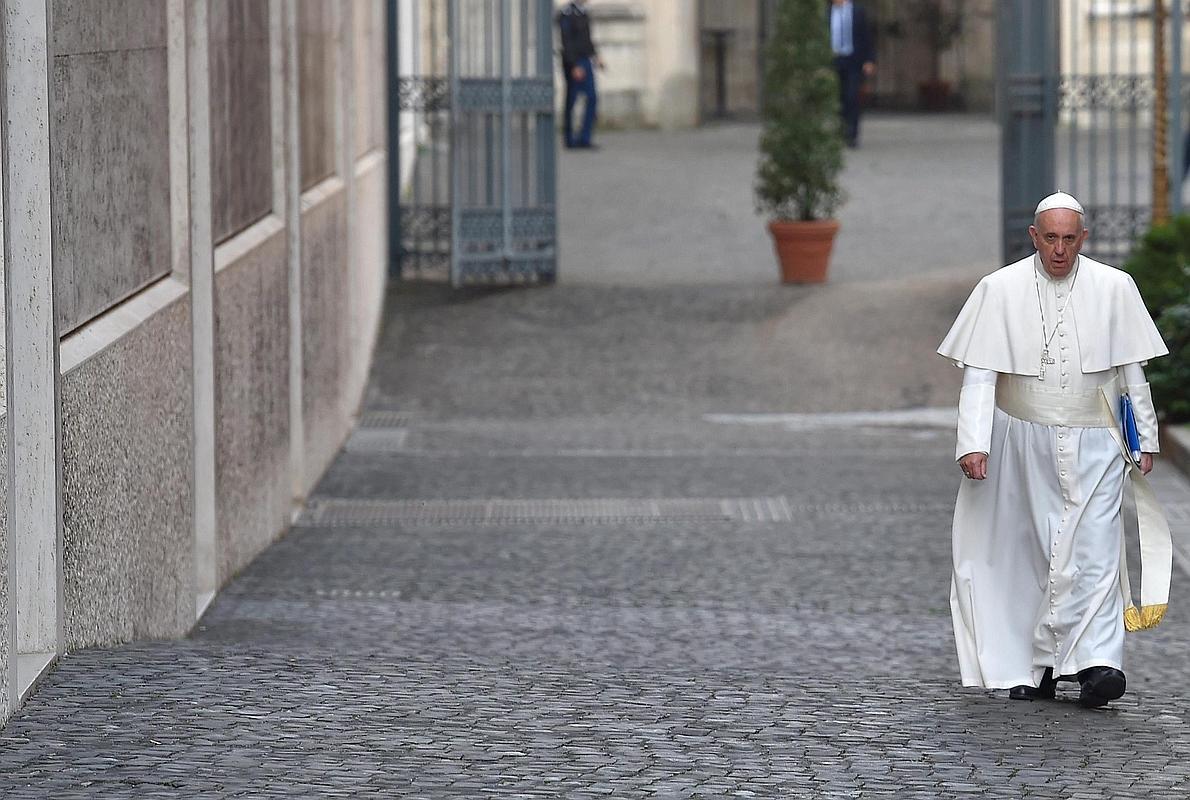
(974, 465)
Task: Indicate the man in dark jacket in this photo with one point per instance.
(855, 57)
(579, 60)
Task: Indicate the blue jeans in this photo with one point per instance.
(586, 88)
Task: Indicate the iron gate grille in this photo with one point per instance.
(480, 205)
(1078, 102)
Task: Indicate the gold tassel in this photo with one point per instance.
(1143, 618)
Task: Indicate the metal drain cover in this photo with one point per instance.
(390, 513)
(384, 419)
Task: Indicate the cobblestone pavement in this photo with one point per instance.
(771, 621)
(565, 554)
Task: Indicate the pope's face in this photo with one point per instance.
(1058, 236)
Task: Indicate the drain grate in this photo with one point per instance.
(376, 440)
(368, 594)
(479, 512)
(384, 419)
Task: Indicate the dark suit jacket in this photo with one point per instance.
(863, 41)
(574, 25)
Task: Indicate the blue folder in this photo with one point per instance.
(1128, 427)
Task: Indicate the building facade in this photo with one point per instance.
(194, 234)
(676, 63)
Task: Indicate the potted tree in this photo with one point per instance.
(801, 143)
(940, 22)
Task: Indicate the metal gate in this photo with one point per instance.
(1079, 111)
(476, 103)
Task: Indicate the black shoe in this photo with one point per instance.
(1100, 685)
(1043, 692)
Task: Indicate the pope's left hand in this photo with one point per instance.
(1146, 463)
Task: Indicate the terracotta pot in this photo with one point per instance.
(934, 95)
(803, 248)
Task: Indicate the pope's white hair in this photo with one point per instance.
(1082, 220)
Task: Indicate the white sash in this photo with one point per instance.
(1100, 409)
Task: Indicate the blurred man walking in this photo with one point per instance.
(579, 60)
(855, 58)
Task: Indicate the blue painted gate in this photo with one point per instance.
(1077, 100)
(474, 101)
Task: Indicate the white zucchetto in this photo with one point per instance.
(1058, 200)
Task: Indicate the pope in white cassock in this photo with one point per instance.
(1040, 585)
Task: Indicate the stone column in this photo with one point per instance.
(671, 87)
(345, 150)
(293, 246)
(33, 409)
(202, 299)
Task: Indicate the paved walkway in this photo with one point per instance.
(605, 541)
(677, 207)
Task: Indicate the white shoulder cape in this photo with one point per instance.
(999, 327)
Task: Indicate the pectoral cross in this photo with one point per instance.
(1045, 360)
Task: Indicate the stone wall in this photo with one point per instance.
(369, 78)
(241, 163)
(8, 672)
(252, 443)
(215, 174)
(110, 150)
(128, 548)
(326, 357)
(316, 88)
